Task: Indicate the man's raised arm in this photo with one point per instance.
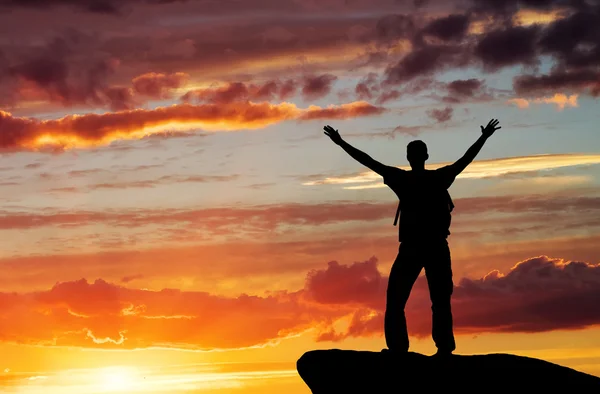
(356, 154)
(472, 152)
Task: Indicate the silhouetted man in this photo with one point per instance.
(425, 213)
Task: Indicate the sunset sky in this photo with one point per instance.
(174, 219)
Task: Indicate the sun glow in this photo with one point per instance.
(116, 379)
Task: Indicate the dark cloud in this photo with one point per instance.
(508, 46)
(229, 93)
(426, 60)
(121, 99)
(158, 85)
(95, 6)
(389, 95)
(367, 87)
(563, 81)
(465, 87)
(51, 77)
(574, 40)
(451, 27)
(316, 87)
(394, 27)
(240, 91)
(465, 90)
(538, 294)
(441, 115)
(574, 44)
(511, 6)
(370, 88)
(96, 69)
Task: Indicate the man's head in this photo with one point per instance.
(416, 153)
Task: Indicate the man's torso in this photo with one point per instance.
(425, 204)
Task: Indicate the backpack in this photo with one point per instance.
(448, 198)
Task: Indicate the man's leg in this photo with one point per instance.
(438, 271)
(404, 273)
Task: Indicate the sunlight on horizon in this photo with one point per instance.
(122, 380)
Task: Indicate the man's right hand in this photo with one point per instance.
(333, 134)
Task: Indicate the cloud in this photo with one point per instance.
(105, 315)
(531, 16)
(395, 26)
(254, 218)
(316, 87)
(542, 183)
(543, 287)
(574, 40)
(100, 129)
(367, 87)
(519, 102)
(158, 85)
(476, 170)
(370, 88)
(389, 96)
(558, 80)
(63, 73)
(495, 35)
(93, 6)
(131, 278)
(331, 286)
(466, 90)
(163, 180)
(244, 50)
(560, 100)
(344, 111)
(413, 45)
(532, 297)
(465, 87)
(48, 76)
(482, 33)
(508, 46)
(512, 5)
(260, 223)
(239, 91)
(424, 61)
(448, 28)
(441, 115)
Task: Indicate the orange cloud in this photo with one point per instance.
(75, 131)
(528, 16)
(104, 315)
(561, 101)
(344, 111)
(531, 297)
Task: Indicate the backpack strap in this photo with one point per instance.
(450, 202)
